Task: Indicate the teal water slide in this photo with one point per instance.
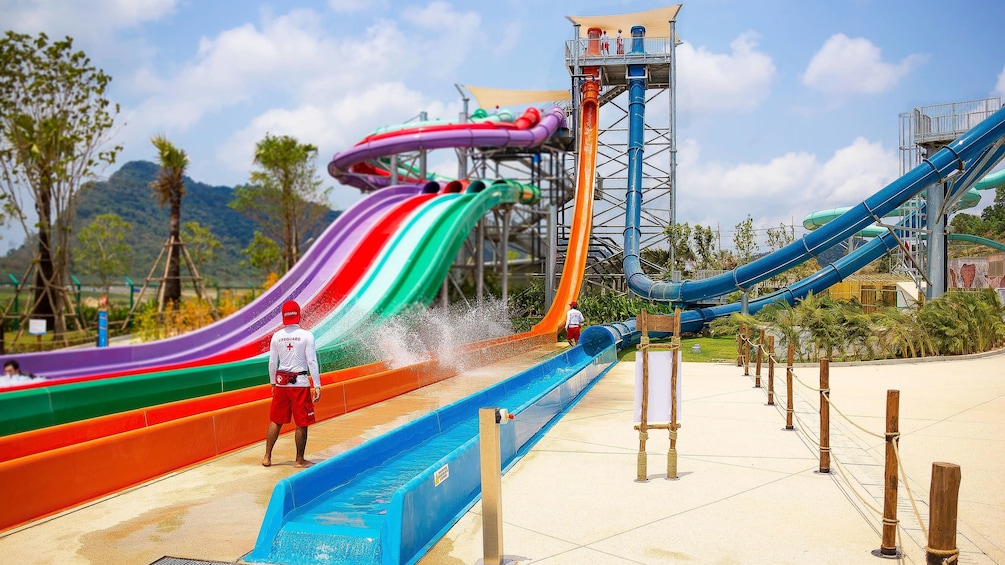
(409, 270)
(420, 257)
(970, 199)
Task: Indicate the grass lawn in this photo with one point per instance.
(713, 350)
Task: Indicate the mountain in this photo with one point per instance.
(127, 193)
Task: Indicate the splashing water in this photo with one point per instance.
(420, 334)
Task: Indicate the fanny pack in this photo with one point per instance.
(288, 377)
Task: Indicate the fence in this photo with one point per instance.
(940, 536)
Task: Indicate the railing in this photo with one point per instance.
(949, 121)
(593, 51)
(941, 544)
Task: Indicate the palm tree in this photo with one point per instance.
(287, 165)
(169, 189)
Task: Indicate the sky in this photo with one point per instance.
(785, 106)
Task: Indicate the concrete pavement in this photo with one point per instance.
(748, 492)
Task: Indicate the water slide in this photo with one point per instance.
(529, 130)
(579, 235)
(977, 150)
(970, 199)
(386, 501)
(417, 255)
(253, 322)
(249, 328)
(92, 429)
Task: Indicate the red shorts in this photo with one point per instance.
(292, 401)
(572, 332)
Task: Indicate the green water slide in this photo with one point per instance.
(410, 271)
(420, 257)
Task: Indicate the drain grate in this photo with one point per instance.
(183, 561)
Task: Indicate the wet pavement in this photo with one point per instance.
(748, 490)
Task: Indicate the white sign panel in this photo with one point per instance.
(659, 387)
(36, 326)
(441, 474)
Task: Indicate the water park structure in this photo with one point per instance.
(528, 184)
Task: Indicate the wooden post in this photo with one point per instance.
(490, 456)
(746, 351)
(641, 323)
(771, 370)
(760, 357)
(825, 417)
(739, 346)
(645, 323)
(944, 499)
(788, 387)
(889, 543)
(675, 352)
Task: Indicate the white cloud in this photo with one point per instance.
(848, 66)
(854, 173)
(333, 126)
(784, 189)
(88, 20)
(350, 6)
(716, 82)
(234, 67)
(290, 57)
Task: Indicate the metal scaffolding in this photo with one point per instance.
(923, 131)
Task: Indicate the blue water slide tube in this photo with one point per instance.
(625, 334)
(971, 198)
(967, 151)
(388, 500)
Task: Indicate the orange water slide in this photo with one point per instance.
(97, 457)
(143, 445)
(582, 220)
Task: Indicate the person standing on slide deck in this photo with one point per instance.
(573, 323)
(293, 367)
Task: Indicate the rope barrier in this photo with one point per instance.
(796, 377)
(869, 505)
(850, 421)
(907, 487)
(948, 556)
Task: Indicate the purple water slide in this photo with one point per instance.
(439, 139)
(301, 283)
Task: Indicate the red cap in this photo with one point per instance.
(291, 313)
(574, 304)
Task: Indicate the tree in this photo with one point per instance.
(654, 261)
(780, 237)
(680, 242)
(102, 249)
(744, 241)
(285, 196)
(201, 244)
(970, 224)
(54, 120)
(706, 256)
(169, 188)
(994, 215)
(263, 254)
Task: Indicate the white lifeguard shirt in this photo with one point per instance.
(292, 349)
(574, 318)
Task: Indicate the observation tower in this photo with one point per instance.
(519, 243)
(648, 39)
(923, 131)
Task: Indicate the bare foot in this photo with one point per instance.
(302, 464)
(267, 462)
